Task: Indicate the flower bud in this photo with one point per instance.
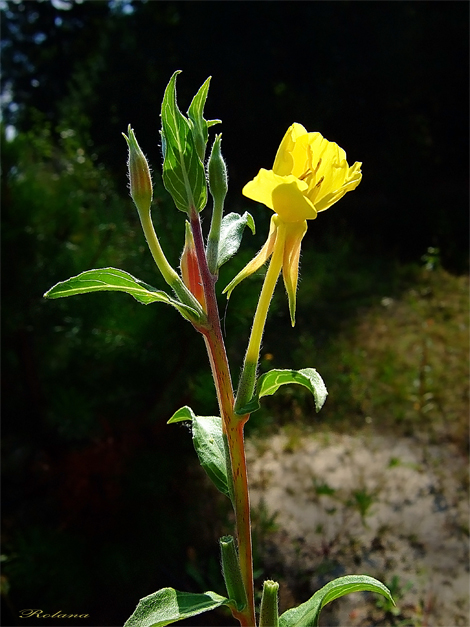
(217, 172)
(232, 573)
(190, 268)
(140, 182)
(269, 616)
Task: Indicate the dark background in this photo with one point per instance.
(100, 498)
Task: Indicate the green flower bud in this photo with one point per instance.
(269, 616)
(217, 172)
(140, 182)
(217, 176)
(231, 571)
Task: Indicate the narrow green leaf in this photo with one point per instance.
(196, 108)
(198, 123)
(307, 614)
(183, 414)
(208, 441)
(231, 232)
(168, 606)
(114, 280)
(271, 381)
(183, 170)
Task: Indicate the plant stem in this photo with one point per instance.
(247, 381)
(214, 236)
(232, 424)
(169, 274)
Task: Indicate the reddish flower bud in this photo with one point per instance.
(190, 268)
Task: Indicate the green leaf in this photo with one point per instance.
(208, 441)
(271, 381)
(168, 606)
(198, 124)
(231, 232)
(183, 414)
(183, 170)
(307, 614)
(114, 280)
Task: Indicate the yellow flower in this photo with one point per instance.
(309, 175)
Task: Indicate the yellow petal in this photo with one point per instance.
(257, 261)
(331, 168)
(353, 178)
(286, 153)
(290, 267)
(282, 194)
(261, 187)
(319, 146)
(290, 203)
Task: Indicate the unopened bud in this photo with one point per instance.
(232, 573)
(269, 616)
(217, 172)
(190, 268)
(140, 182)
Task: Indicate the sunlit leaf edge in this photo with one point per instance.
(108, 280)
(183, 414)
(231, 233)
(271, 381)
(307, 614)
(183, 171)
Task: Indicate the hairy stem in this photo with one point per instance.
(169, 274)
(214, 236)
(232, 424)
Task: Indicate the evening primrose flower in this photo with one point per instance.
(309, 175)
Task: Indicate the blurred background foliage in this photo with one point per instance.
(100, 500)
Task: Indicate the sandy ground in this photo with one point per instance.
(393, 508)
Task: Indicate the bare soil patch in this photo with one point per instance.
(394, 508)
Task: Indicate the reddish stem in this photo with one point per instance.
(232, 424)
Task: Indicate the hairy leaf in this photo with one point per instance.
(209, 444)
(198, 124)
(183, 170)
(271, 381)
(308, 377)
(114, 280)
(231, 232)
(183, 414)
(168, 606)
(208, 440)
(307, 614)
